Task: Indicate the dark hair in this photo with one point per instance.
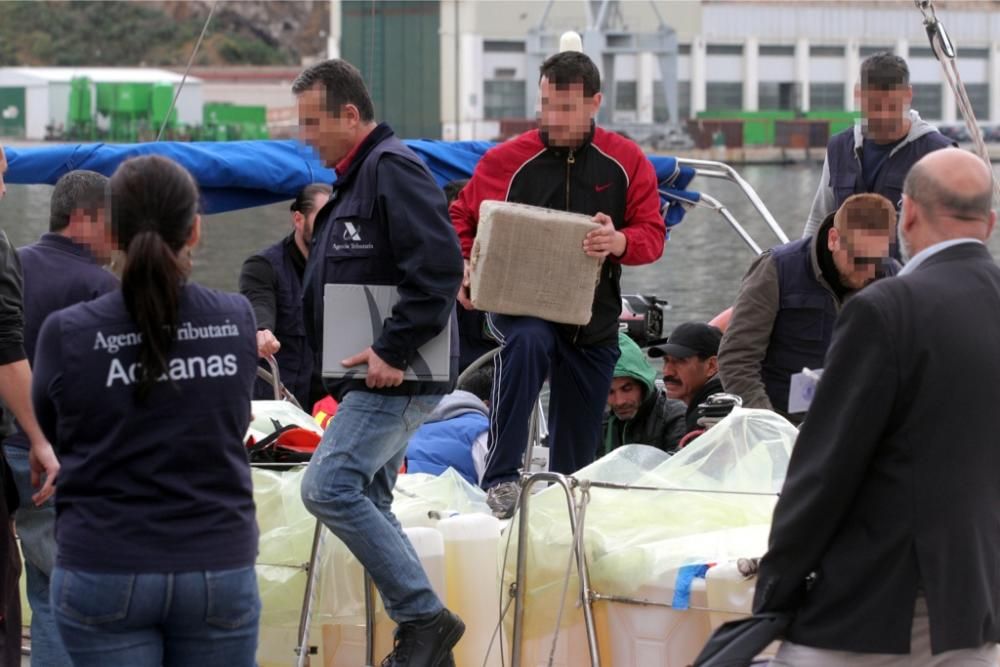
(342, 83)
(866, 212)
(76, 190)
(884, 71)
(453, 188)
(154, 202)
(306, 200)
(922, 186)
(479, 382)
(569, 67)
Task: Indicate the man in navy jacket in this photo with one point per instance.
(62, 268)
(386, 224)
(15, 392)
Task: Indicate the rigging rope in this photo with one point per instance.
(187, 70)
(944, 51)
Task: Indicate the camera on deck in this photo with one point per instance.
(642, 318)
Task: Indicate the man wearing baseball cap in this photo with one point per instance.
(691, 366)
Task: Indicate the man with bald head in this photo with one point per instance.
(885, 543)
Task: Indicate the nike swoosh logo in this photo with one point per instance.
(602, 188)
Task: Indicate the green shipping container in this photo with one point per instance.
(223, 121)
(79, 102)
(131, 99)
(12, 112)
(839, 119)
(758, 126)
(397, 46)
(162, 96)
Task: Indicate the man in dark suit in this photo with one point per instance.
(885, 543)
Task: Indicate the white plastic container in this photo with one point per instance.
(571, 648)
(631, 635)
(643, 636)
(730, 593)
(344, 643)
(429, 545)
(472, 576)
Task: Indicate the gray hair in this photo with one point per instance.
(76, 190)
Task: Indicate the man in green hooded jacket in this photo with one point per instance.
(638, 411)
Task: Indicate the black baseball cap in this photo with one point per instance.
(689, 339)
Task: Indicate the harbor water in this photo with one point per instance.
(699, 273)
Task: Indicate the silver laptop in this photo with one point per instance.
(353, 316)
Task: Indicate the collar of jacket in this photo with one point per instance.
(66, 244)
(814, 247)
(559, 150)
(381, 132)
(712, 386)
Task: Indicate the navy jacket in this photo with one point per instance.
(158, 486)
(58, 272)
(846, 178)
(272, 281)
(387, 224)
(804, 325)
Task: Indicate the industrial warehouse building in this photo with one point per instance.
(34, 101)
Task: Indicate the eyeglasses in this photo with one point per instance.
(862, 262)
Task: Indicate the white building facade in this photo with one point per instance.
(733, 55)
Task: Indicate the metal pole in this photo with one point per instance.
(522, 565)
(305, 619)
(717, 206)
(732, 175)
(276, 378)
(369, 620)
(534, 435)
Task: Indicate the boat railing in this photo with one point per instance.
(723, 171)
(577, 492)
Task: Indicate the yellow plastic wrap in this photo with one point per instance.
(286, 536)
(636, 540)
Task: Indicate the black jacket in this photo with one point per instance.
(713, 386)
(272, 281)
(893, 484)
(606, 174)
(658, 423)
(387, 224)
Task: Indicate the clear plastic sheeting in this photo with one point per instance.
(286, 537)
(637, 540)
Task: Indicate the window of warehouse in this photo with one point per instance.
(724, 96)
(826, 97)
(979, 95)
(504, 98)
(626, 94)
(775, 96)
(927, 100)
(660, 112)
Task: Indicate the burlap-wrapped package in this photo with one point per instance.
(528, 260)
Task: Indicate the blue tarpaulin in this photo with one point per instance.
(241, 174)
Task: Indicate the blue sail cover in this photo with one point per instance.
(242, 174)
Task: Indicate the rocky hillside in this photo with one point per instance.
(161, 33)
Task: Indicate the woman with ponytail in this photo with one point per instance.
(145, 394)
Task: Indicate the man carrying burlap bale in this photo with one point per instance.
(568, 164)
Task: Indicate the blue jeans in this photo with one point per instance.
(348, 486)
(35, 527)
(208, 619)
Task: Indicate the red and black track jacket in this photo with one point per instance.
(606, 174)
